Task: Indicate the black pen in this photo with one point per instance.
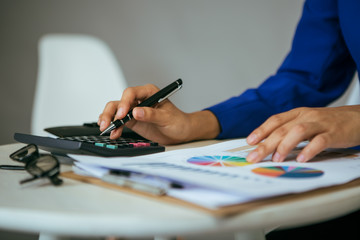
(156, 98)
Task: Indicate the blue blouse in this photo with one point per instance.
(324, 56)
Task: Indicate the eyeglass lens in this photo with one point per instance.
(44, 166)
(39, 166)
(25, 154)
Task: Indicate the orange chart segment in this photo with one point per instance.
(218, 161)
(288, 172)
(269, 171)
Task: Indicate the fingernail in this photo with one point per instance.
(252, 157)
(140, 113)
(102, 125)
(252, 138)
(301, 158)
(112, 135)
(277, 157)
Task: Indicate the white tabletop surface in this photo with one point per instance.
(80, 209)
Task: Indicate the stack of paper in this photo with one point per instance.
(218, 175)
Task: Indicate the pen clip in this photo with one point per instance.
(171, 93)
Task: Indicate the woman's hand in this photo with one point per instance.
(164, 123)
(336, 127)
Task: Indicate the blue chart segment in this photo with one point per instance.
(288, 172)
(218, 161)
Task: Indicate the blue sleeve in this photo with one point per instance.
(317, 71)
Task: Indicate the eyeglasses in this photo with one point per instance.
(38, 165)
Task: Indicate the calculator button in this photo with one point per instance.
(99, 144)
(112, 146)
(140, 144)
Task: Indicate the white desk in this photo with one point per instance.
(79, 209)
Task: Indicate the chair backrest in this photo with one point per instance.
(354, 96)
(77, 76)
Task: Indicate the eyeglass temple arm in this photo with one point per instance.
(12, 167)
(28, 180)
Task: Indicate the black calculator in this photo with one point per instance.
(92, 145)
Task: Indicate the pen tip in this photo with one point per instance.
(108, 129)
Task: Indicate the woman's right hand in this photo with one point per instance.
(163, 123)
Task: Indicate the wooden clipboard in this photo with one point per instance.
(222, 211)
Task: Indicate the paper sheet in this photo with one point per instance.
(222, 173)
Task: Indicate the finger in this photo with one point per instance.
(116, 133)
(296, 134)
(107, 115)
(269, 126)
(315, 146)
(268, 146)
(133, 96)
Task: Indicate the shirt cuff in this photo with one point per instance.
(240, 120)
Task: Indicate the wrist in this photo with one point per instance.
(203, 125)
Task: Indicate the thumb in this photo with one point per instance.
(138, 113)
(148, 114)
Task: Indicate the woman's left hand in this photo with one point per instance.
(331, 127)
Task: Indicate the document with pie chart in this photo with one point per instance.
(223, 167)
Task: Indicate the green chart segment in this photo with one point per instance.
(218, 161)
(288, 172)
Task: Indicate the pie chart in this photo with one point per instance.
(288, 172)
(219, 161)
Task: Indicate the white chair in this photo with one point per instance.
(77, 76)
(354, 96)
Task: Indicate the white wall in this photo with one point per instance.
(219, 48)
